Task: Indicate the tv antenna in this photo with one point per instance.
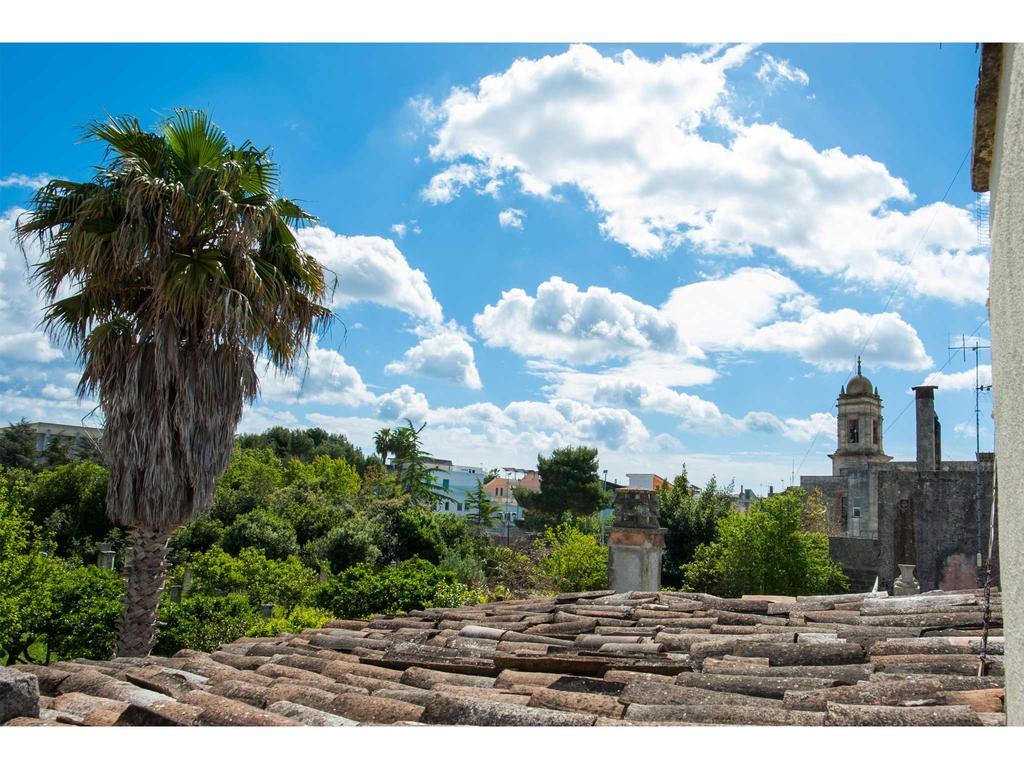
(976, 346)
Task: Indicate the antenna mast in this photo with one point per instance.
(976, 346)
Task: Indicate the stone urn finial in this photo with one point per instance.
(906, 584)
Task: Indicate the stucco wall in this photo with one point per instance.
(1006, 311)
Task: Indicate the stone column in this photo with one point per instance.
(634, 559)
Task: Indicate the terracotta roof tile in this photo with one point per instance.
(592, 658)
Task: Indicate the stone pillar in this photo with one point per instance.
(634, 559)
(636, 542)
(925, 404)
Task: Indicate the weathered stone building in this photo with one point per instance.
(884, 512)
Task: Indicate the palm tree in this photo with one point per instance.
(184, 271)
(384, 442)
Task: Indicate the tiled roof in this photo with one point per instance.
(594, 658)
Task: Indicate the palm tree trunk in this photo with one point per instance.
(145, 572)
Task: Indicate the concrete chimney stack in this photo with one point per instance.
(926, 437)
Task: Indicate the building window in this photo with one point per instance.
(444, 484)
(446, 507)
(853, 433)
(855, 520)
(844, 515)
(874, 431)
(458, 506)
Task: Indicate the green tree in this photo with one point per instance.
(261, 530)
(85, 604)
(573, 561)
(766, 551)
(26, 572)
(485, 510)
(186, 272)
(364, 590)
(69, 501)
(414, 470)
(18, 446)
(203, 622)
(570, 488)
(353, 541)
(689, 522)
(252, 477)
(306, 445)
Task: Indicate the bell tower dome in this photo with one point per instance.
(859, 438)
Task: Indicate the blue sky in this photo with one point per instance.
(674, 253)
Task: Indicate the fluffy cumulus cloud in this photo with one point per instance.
(832, 340)
(322, 377)
(444, 354)
(403, 402)
(960, 379)
(750, 310)
(564, 323)
(633, 136)
(372, 269)
(511, 218)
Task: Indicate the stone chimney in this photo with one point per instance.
(927, 445)
(938, 444)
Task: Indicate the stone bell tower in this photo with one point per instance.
(859, 438)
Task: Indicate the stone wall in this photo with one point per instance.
(942, 524)
(858, 558)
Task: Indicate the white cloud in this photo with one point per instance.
(323, 377)
(960, 380)
(774, 72)
(447, 184)
(445, 354)
(627, 132)
(20, 307)
(832, 340)
(371, 269)
(750, 310)
(24, 181)
(541, 426)
(699, 415)
(511, 218)
(399, 230)
(720, 313)
(260, 418)
(564, 323)
(404, 402)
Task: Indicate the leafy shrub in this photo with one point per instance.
(467, 567)
(302, 617)
(286, 583)
(512, 571)
(69, 502)
(308, 511)
(85, 608)
(203, 622)
(351, 542)
(202, 534)
(364, 590)
(454, 595)
(573, 561)
(261, 530)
